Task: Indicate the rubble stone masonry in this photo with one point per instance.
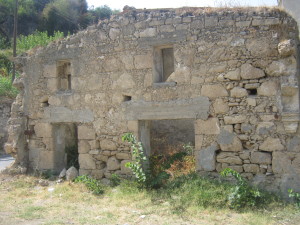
(233, 71)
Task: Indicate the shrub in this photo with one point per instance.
(115, 180)
(139, 158)
(243, 195)
(92, 184)
(295, 196)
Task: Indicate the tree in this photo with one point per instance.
(99, 13)
(65, 15)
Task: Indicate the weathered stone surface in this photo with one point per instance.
(209, 126)
(108, 145)
(149, 32)
(125, 81)
(229, 142)
(233, 75)
(143, 61)
(83, 147)
(265, 127)
(220, 106)
(281, 162)
(97, 174)
(113, 164)
(261, 158)
(235, 119)
(249, 72)
(124, 169)
(213, 91)
(251, 168)
(43, 130)
(86, 161)
(114, 33)
(238, 92)
(71, 173)
(122, 155)
(229, 157)
(85, 132)
(206, 158)
(268, 88)
(271, 144)
(283, 67)
(260, 47)
(286, 48)
(294, 144)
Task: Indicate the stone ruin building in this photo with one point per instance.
(225, 80)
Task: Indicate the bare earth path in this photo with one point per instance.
(5, 160)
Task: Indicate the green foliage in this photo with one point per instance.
(92, 184)
(243, 195)
(139, 158)
(6, 88)
(37, 39)
(99, 13)
(72, 156)
(115, 180)
(295, 196)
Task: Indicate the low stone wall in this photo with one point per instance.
(5, 105)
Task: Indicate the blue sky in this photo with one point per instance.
(114, 4)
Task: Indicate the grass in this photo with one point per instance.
(185, 200)
(6, 88)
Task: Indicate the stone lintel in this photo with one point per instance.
(196, 108)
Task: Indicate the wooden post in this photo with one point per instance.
(15, 39)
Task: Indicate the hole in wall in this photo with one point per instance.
(127, 98)
(45, 103)
(252, 91)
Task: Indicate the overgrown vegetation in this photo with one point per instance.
(92, 184)
(6, 88)
(25, 43)
(242, 195)
(72, 156)
(295, 196)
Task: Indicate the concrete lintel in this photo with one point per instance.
(196, 108)
(65, 115)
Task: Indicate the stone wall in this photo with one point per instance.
(5, 105)
(234, 74)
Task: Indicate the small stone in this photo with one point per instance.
(251, 168)
(71, 173)
(233, 75)
(43, 183)
(113, 164)
(62, 173)
(286, 48)
(229, 157)
(268, 88)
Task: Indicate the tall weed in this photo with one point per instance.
(6, 88)
(25, 43)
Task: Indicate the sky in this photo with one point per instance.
(150, 4)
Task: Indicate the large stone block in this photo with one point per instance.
(271, 144)
(283, 67)
(108, 145)
(229, 157)
(268, 88)
(238, 92)
(249, 72)
(46, 160)
(122, 155)
(265, 128)
(220, 107)
(251, 168)
(149, 32)
(233, 75)
(214, 91)
(294, 144)
(209, 126)
(113, 163)
(206, 158)
(124, 169)
(229, 142)
(86, 133)
(43, 130)
(86, 161)
(282, 162)
(83, 147)
(261, 158)
(287, 48)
